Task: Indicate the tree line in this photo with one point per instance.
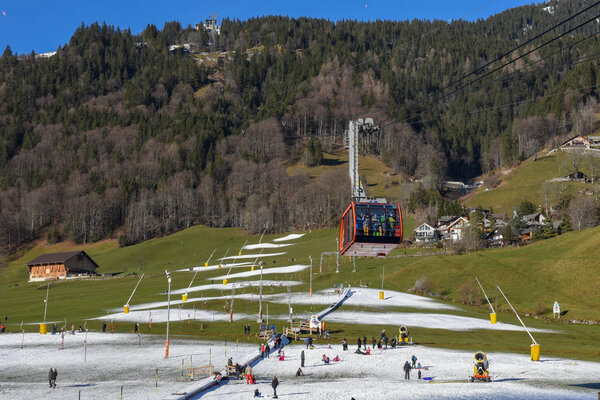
(115, 135)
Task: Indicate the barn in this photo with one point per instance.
(55, 266)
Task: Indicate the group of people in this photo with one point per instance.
(247, 329)
(376, 224)
(383, 342)
(412, 365)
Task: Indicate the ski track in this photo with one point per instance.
(266, 271)
(257, 255)
(266, 246)
(292, 236)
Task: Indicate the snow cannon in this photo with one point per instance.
(404, 334)
(480, 368)
(184, 297)
(126, 309)
(224, 282)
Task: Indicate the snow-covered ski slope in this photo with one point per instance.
(380, 376)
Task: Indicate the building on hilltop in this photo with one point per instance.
(210, 25)
(55, 266)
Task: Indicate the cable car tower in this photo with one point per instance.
(370, 226)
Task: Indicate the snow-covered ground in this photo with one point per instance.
(266, 271)
(160, 316)
(292, 236)
(257, 255)
(113, 360)
(236, 285)
(431, 321)
(366, 297)
(213, 267)
(266, 246)
(380, 376)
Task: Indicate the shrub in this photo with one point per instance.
(539, 308)
(423, 285)
(469, 294)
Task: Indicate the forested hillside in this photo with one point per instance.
(117, 135)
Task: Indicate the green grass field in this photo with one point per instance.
(524, 182)
(566, 268)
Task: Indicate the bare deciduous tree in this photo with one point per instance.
(583, 212)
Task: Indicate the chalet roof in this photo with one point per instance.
(446, 218)
(530, 216)
(58, 258)
(423, 225)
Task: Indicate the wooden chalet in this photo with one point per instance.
(55, 266)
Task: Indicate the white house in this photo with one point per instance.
(426, 233)
(453, 229)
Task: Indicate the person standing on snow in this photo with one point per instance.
(306, 340)
(302, 359)
(407, 369)
(344, 345)
(50, 378)
(365, 342)
(414, 361)
(53, 380)
(274, 384)
(374, 341)
(267, 350)
(359, 343)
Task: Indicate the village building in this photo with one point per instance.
(426, 233)
(453, 229)
(577, 142)
(534, 219)
(55, 266)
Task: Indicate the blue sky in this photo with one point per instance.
(42, 25)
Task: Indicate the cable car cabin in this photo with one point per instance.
(370, 229)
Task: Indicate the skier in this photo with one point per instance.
(274, 384)
(414, 361)
(374, 341)
(407, 369)
(302, 359)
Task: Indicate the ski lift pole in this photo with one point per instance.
(311, 266)
(46, 302)
(261, 236)
(493, 316)
(126, 306)
(23, 337)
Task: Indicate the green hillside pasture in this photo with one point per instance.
(525, 183)
(564, 269)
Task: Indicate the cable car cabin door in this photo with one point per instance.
(370, 229)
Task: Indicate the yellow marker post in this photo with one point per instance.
(184, 297)
(43, 329)
(493, 318)
(224, 282)
(381, 295)
(126, 309)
